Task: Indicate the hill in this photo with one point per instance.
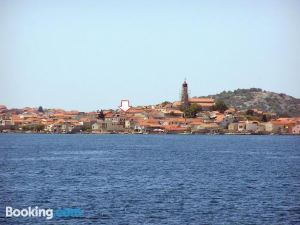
(256, 98)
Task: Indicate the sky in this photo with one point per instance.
(88, 55)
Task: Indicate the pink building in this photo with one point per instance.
(296, 129)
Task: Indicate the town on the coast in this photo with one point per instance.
(195, 115)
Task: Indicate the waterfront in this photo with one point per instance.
(153, 179)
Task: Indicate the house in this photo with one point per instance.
(252, 126)
(205, 116)
(113, 126)
(136, 112)
(204, 127)
(261, 128)
(157, 115)
(269, 127)
(92, 115)
(129, 124)
(150, 125)
(170, 129)
(205, 103)
(175, 121)
(97, 126)
(241, 126)
(132, 122)
(7, 122)
(230, 111)
(197, 125)
(115, 118)
(67, 127)
(279, 126)
(296, 129)
(85, 121)
(49, 128)
(233, 127)
(227, 119)
(3, 109)
(16, 120)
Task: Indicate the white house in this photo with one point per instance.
(252, 126)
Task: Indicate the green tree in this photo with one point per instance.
(163, 104)
(192, 110)
(25, 128)
(86, 128)
(40, 109)
(172, 113)
(39, 127)
(250, 112)
(220, 106)
(264, 118)
(101, 115)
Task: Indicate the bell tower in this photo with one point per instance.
(184, 95)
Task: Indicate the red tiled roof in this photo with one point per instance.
(182, 120)
(201, 100)
(134, 110)
(283, 122)
(196, 123)
(174, 128)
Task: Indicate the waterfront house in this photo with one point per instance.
(261, 128)
(251, 126)
(149, 125)
(280, 126)
(98, 126)
(6, 122)
(241, 126)
(296, 129)
(198, 127)
(113, 126)
(233, 127)
(170, 129)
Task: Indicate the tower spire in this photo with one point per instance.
(184, 95)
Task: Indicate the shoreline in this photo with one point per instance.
(124, 133)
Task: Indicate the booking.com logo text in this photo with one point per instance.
(39, 212)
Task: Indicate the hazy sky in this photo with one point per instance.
(87, 54)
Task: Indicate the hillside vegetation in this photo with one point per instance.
(243, 99)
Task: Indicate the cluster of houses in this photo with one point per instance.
(161, 118)
(166, 117)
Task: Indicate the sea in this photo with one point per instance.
(150, 179)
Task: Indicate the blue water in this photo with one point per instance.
(145, 179)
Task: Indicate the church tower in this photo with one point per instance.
(184, 95)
